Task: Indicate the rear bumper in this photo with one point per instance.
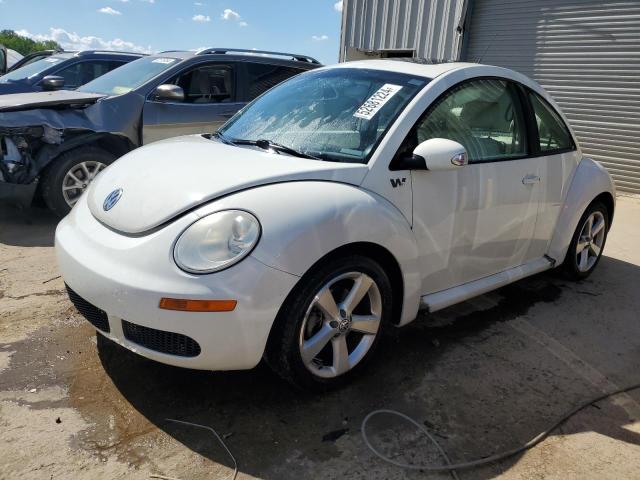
(125, 277)
(19, 194)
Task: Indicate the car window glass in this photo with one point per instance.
(338, 114)
(130, 76)
(553, 133)
(484, 116)
(3, 59)
(206, 84)
(83, 72)
(262, 76)
(31, 69)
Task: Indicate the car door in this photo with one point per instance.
(210, 100)
(479, 219)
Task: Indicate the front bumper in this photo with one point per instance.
(16, 193)
(127, 276)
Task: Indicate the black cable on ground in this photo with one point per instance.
(451, 467)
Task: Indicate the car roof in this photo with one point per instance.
(412, 66)
(232, 54)
(66, 55)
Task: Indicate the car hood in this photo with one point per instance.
(167, 178)
(7, 88)
(32, 100)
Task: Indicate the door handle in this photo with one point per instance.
(530, 179)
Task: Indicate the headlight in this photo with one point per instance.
(216, 241)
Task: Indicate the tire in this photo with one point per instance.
(576, 265)
(303, 322)
(56, 176)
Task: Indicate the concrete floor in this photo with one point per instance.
(484, 376)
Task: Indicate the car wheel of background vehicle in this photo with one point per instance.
(331, 323)
(588, 242)
(69, 175)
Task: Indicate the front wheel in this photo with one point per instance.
(69, 175)
(588, 242)
(330, 325)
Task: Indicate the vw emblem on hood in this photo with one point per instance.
(112, 199)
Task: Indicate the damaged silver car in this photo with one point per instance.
(53, 144)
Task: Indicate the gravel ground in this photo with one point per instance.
(483, 376)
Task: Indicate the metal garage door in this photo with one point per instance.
(586, 54)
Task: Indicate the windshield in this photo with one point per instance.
(130, 76)
(31, 69)
(338, 114)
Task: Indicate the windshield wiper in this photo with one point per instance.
(223, 137)
(278, 147)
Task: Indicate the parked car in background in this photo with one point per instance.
(64, 139)
(67, 70)
(9, 59)
(32, 57)
(333, 207)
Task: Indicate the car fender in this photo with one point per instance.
(589, 180)
(302, 221)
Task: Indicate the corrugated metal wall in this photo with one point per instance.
(428, 27)
(586, 54)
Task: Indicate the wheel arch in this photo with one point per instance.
(118, 145)
(590, 183)
(379, 254)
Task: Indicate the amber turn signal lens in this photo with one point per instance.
(185, 305)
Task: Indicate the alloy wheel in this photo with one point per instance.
(78, 178)
(590, 241)
(341, 324)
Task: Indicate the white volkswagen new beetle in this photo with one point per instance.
(334, 206)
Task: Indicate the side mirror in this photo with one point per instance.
(433, 154)
(441, 154)
(52, 82)
(169, 93)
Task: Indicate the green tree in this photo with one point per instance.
(24, 45)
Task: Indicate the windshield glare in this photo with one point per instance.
(31, 69)
(338, 114)
(129, 77)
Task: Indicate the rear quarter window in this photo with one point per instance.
(261, 77)
(553, 133)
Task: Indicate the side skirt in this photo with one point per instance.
(445, 298)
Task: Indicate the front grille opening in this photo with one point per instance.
(160, 340)
(98, 318)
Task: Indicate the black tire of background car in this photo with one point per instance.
(51, 186)
(283, 354)
(570, 264)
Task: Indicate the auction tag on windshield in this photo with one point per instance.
(376, 101)
(52, 60)
(164, 60)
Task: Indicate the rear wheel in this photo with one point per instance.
(69, 175)
(588, 242)
(331, 324)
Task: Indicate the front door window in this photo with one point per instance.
(484, 116)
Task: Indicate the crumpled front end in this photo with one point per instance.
(19, 169)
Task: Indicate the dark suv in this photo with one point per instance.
(66, 70)
(57, 142)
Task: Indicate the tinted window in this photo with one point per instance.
(206, 84)
(553, 133)
(84, 72)
(130, 76)
(32, 69)
(261, 77)
(338, 114)
(3, 60)
(484, 116)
